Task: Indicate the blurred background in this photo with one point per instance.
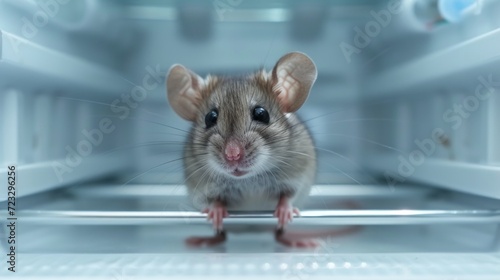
(68, 64)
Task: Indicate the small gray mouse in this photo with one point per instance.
(247, 149)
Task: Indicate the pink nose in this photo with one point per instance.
(233, 151)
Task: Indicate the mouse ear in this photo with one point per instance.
(293, 76)
(184, 91)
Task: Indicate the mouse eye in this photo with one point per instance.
(261, 115)
(211, 118)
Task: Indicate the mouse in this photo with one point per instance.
(247, 149)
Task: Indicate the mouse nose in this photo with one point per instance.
(233, 151)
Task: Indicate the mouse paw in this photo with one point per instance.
(197, 241)
(215, 213)
(284, 212)
(296, 242)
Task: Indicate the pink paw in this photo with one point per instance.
(215, 213)
(284, 212)
(197, 241)
(298, 243)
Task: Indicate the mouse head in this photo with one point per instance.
(242, 124)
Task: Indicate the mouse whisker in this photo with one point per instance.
(202, 177)
(181, 183)
(155, 132)
(281, 118)
(185, 179)
(364, 139)
(85, 101)
(386, 100)
(349, 160)
(162, 124)
(277, 158)
(146, 144)
(365, 119)
(344, 173)
(108, 104)
(276, 140)
(195, 171)
(148, 121)
(261, 171)
(154, 167)
(328, 165)
(144, 120)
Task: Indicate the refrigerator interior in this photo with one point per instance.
(405, 114)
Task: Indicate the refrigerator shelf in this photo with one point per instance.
(266, 266)
(442, 66)
(308, 217)
(328, 205)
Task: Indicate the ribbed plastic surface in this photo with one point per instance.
(282, 266)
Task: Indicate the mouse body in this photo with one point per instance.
(247, 148)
